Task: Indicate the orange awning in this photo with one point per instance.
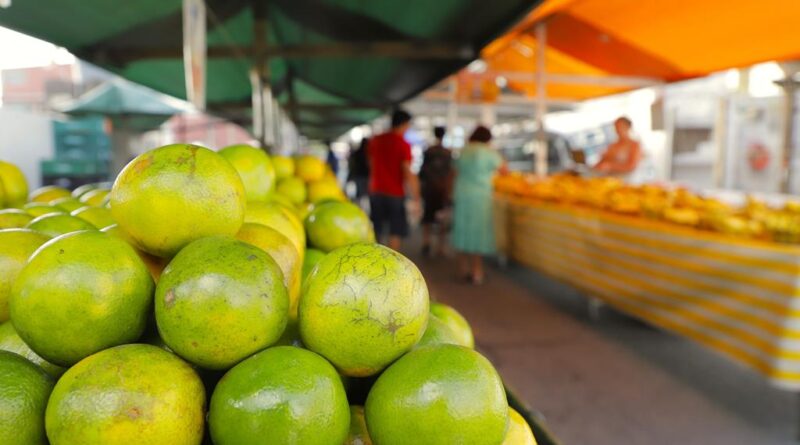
(659, 40)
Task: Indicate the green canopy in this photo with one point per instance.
(332, 63)
(141, 108)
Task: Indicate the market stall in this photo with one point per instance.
(731, 287)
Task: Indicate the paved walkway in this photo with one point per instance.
(614, 381)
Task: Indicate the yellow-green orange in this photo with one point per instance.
(254, 167)
(14, 218)
(358, 428)
(362, 307)
(100, 217)
(14, 184)
(284, 166)
(283, 395)
(309, 168)
(456, 322)
(438, 395)
(168, 197)
(96, 197)
(85, 188)
(519, 432)
(81, 293)
(48, 193)
(313, 256)
(280, 218)
(282, 250)
(16, 246)
(67, 204)
(220, 300)
(59, 224)
(10, 341)
(293, 188)
(438, 333)
(326, 189)
(36, 209)
(132, 394)
(24, 389)
(154, 264)
(336, 224)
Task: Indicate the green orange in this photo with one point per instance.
(281, 249)
(362, 307)
(282, 395)
(48, 193)
(10, 341)
(96, 197)
(284, 166)
(154, 264)
(220, 300)
(519, 432)
(67, 204)
(456, 322)
(100, 217)
(168, 197)
(14, 218)
(24, 389)
(131, 394)
(326, 189)
(313, 256)
(293, 188)
(309, 168)
(254, 167)
(13, 183)
(55, 224)
(16, 246)
(36, 209)
(359, 435)
(438, 395)
(79, 294)
(336, 224)
(86, 188)
(438, 333)
(280, 218)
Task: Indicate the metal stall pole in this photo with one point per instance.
(790, 87)
(452, 109)
(541, 99)
(260, 79)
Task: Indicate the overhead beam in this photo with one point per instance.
(299, 106)
(578, 79)
(395, 50)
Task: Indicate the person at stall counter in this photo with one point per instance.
(435, 176)
(390, 170)
(621, 158)
(473, 225)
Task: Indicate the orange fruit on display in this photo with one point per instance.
(254, 167)
(24, 389)
(168, 197)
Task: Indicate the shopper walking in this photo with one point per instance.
(390, 171)
(473, 226)
(435, 175)
(358, 171)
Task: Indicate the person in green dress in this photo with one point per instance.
(473, 226)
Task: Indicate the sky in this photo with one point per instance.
(21, 51)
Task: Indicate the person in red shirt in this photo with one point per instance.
(390, 171)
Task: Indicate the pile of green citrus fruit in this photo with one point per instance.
(227, 298)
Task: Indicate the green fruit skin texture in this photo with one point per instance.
(280, 396)
(81, 293)
(438, 333)
(14, 218)
(438, 395)
(131, 394)
(456, 322)
(219, 301)
(24, 389)
(363, 307)
(11, 342)
(59, 224)
(313, 256)
(336, 224)
(16, 246)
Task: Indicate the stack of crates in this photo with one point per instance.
(82, 153)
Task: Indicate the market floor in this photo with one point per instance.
(614, 381)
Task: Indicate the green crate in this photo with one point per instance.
(73, 167)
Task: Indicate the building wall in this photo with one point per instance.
(25, 139)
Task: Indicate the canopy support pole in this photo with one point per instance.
(790, 87)
(263, 126)
(452, 107)
(541, 99)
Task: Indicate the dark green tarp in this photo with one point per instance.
(350, 60)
